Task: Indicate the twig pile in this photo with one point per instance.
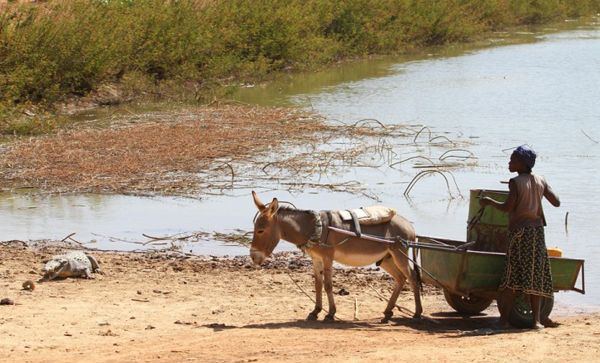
(214, 150)
(155, 153)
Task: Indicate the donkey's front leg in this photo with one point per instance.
(328, 274)
(318, 274)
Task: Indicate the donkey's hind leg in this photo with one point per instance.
(390, 267)
(401, 261)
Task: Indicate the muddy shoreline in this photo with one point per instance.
(211, 150)
(161, 307)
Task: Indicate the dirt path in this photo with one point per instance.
(153, 308)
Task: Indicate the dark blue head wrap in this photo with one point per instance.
(526, 155)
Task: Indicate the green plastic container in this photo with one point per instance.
(487, 228)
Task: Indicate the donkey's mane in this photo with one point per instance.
(286, 210)
(306, 215)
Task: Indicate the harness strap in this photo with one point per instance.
(325, 222)
(357, 230)
(320, 233)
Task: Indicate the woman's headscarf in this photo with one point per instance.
(526, 155)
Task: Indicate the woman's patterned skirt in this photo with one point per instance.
(527, 265)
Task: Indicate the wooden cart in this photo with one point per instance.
(470, 272)
(470, 277)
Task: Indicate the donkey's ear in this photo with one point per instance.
(257, 201)
(273, 207)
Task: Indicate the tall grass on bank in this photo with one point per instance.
(60, 49)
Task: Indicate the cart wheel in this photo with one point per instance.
(471, 305)
(521, 315)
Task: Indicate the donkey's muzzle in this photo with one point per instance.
(258, 257)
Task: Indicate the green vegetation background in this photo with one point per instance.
(55, 50)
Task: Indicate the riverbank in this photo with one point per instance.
(178, 152)
(171, 308)
(75, 53)
(195, 151)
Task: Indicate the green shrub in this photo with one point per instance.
(57, 49)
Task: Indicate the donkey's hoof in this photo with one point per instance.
(312, 316)
(386, 317)
(417, 316)
(329, 318)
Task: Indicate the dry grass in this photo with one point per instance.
(218, 150)
(155, 153)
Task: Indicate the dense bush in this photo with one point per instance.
(55, 49)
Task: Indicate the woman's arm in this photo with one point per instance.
(508, 205)
(551, 196)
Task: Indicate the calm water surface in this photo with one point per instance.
(544, 94)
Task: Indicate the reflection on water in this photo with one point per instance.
(296, 88)
(543, 94)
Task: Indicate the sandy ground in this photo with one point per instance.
(154, 307)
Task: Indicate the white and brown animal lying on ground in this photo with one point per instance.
(71, 264)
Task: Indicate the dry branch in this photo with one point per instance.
(412, 158)
(446, 154)
(419, 133)
(588, 136)
(425, 173)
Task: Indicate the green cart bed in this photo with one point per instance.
(470, 275)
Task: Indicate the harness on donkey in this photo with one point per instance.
(351, 220)
(324, 223)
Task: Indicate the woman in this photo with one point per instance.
(527, 265)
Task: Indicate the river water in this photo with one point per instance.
(544, 93)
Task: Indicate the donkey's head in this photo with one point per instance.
(266, 230)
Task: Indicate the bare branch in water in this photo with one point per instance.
(441, 137)
(226, 164)
(425, 173)
(446, 155)
(69, 236)
(589, 137)
(412, 158)
(368, 120)
(419, 133)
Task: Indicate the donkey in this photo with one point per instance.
(308, 231)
